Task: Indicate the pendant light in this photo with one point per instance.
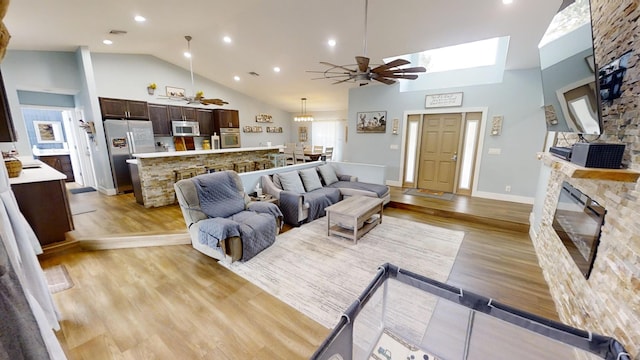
(303, 116)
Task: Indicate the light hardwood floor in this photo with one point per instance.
(173, 302)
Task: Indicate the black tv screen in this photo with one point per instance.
(570, 82)
(578, 220)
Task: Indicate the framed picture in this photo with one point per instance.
(264, 118)
(48, 131)
(371, 122)
(175, 91)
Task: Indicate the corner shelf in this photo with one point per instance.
(580, 172)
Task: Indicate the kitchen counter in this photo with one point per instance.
(36, 171)
(202, 152)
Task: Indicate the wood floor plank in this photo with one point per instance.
(174, 302)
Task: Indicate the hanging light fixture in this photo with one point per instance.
(303, 116)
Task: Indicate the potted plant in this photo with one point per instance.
(151, 88)
(199, 94)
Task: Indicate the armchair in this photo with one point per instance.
(222, 221)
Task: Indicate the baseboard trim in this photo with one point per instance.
(125, 241)
(503, 197)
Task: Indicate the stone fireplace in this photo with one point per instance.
(608, 302)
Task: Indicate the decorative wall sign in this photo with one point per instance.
(252, 129)
(274, 129)
(443, 100)
(371, 122)
(266, 118)
(175, 91)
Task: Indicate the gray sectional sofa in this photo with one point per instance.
(304, 194)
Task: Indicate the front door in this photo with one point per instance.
(439, 152)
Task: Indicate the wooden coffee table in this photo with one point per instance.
(350, 217)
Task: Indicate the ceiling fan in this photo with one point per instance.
(363, 73)
(195, 99)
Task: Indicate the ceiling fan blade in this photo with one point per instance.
(341, 81)
(219, 102)
(402, 70)
(384, 80)
(389, 65)
(363, 63)
(336, 66)
(331, 77)
(398, 75)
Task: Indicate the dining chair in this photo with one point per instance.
(298, 155)
(318, 148)
(288, 154)
(328, 152)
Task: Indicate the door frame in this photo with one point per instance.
(463, 110)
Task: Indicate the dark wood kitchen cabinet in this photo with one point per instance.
(123, 109)
(182, 113)
(61, 163)
(50, 219)
(223, 118)
(7, 131)
(159, 116)
(205, 121)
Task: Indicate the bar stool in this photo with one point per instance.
(188, 173)
(278, 159)
(243, 166)
(262, 164)
(218, 167)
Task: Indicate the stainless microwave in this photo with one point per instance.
(185, 128)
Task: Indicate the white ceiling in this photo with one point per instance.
(291, 34)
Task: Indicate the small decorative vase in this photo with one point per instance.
(14, 167)
(150, 90)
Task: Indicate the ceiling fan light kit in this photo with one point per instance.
(303, 112)
(363, 73)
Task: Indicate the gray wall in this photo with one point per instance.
(518, 98)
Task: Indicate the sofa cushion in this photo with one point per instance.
(276, 181)
(291, 182)
(328, 174)
(379, 190)
(310, 179)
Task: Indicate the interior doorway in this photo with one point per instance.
(440, 151)
(56, 132)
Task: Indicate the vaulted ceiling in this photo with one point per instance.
(290, 34)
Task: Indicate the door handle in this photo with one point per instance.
(454, 157)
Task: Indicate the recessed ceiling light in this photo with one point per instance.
(331, 42)
(227, 39)
(139, 18)
(187, 54)
(507, 2)
(107, 42)
(276, 69)
(236, 78)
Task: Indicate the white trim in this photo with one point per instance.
(504, 197)
(106, 191)
(532, 231)
(394, 183)
(476, 170)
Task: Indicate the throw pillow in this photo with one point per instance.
(291, 182)
(310, 179)
(328, 174)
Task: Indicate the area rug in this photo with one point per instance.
(81, 190)
(322, 275)
(430, 194)
(58, 278)
(77, 209)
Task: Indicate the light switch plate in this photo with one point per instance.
(495, 151)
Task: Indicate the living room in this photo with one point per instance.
(523, 120)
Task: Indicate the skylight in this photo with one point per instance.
(567, 20)
(462, 56)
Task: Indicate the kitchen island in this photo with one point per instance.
(158, 171)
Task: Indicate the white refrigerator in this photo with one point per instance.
(126, 137)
